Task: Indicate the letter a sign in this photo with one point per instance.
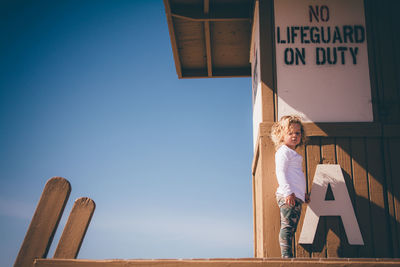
(330, 174)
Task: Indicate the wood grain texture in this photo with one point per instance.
(190, 35)
(366, 151)
(385, 62)
(220, 263)
(362, 208)
(391, 199)
(255, 245)
(258, 211)
(313, 150)
(345, 129)
(44, 223)
(370, 28)
(396, 42)
(382, 24)
(377, 193)
(267, 61)
(254, 200)
(302, 251)
(202, 11)
(333, 234)
(371, 176)
(75, 229)
(271, 218)
(394, 193)
(178, 65)
(208, 47)
(343, 158)
(226, 45)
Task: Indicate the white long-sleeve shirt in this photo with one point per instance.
(288, 167)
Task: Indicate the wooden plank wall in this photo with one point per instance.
(372, 172)
(367, 152)
(383, 22)
(383, 37)
(370, 161)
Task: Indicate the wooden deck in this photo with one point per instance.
(218, 263)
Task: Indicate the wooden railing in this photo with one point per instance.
(45, 221)
(51, 205)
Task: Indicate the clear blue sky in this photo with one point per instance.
(89, 92)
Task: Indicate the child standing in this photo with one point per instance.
(287, 134)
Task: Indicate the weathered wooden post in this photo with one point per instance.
(75, 229)
(45, 221)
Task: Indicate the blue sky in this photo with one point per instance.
(89, 92)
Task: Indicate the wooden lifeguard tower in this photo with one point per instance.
(337, 64)
(334, 62)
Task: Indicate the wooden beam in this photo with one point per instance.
(216, 73)
(232, 72)
(267, 60)
(207, 38)
(206, 6)
(204, 18)
(217, 13)
(391, 130)
(350, 129)
(269, 209)
(335, 129)
(75, 229)
(44, 223)
(172, 35)
(194, 73)
(253, 29)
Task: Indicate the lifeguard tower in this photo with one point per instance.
(334, 62)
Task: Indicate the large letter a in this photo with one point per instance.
(329, 174)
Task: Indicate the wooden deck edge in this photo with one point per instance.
(273, 262)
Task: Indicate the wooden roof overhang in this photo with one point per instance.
(210, 38)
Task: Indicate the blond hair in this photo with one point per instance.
(281, 127)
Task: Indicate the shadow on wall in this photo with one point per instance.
(371, 173)
(329, 225)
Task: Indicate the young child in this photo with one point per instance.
(287, 134)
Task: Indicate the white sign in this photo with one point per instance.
(322, 60)
(330, 174)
